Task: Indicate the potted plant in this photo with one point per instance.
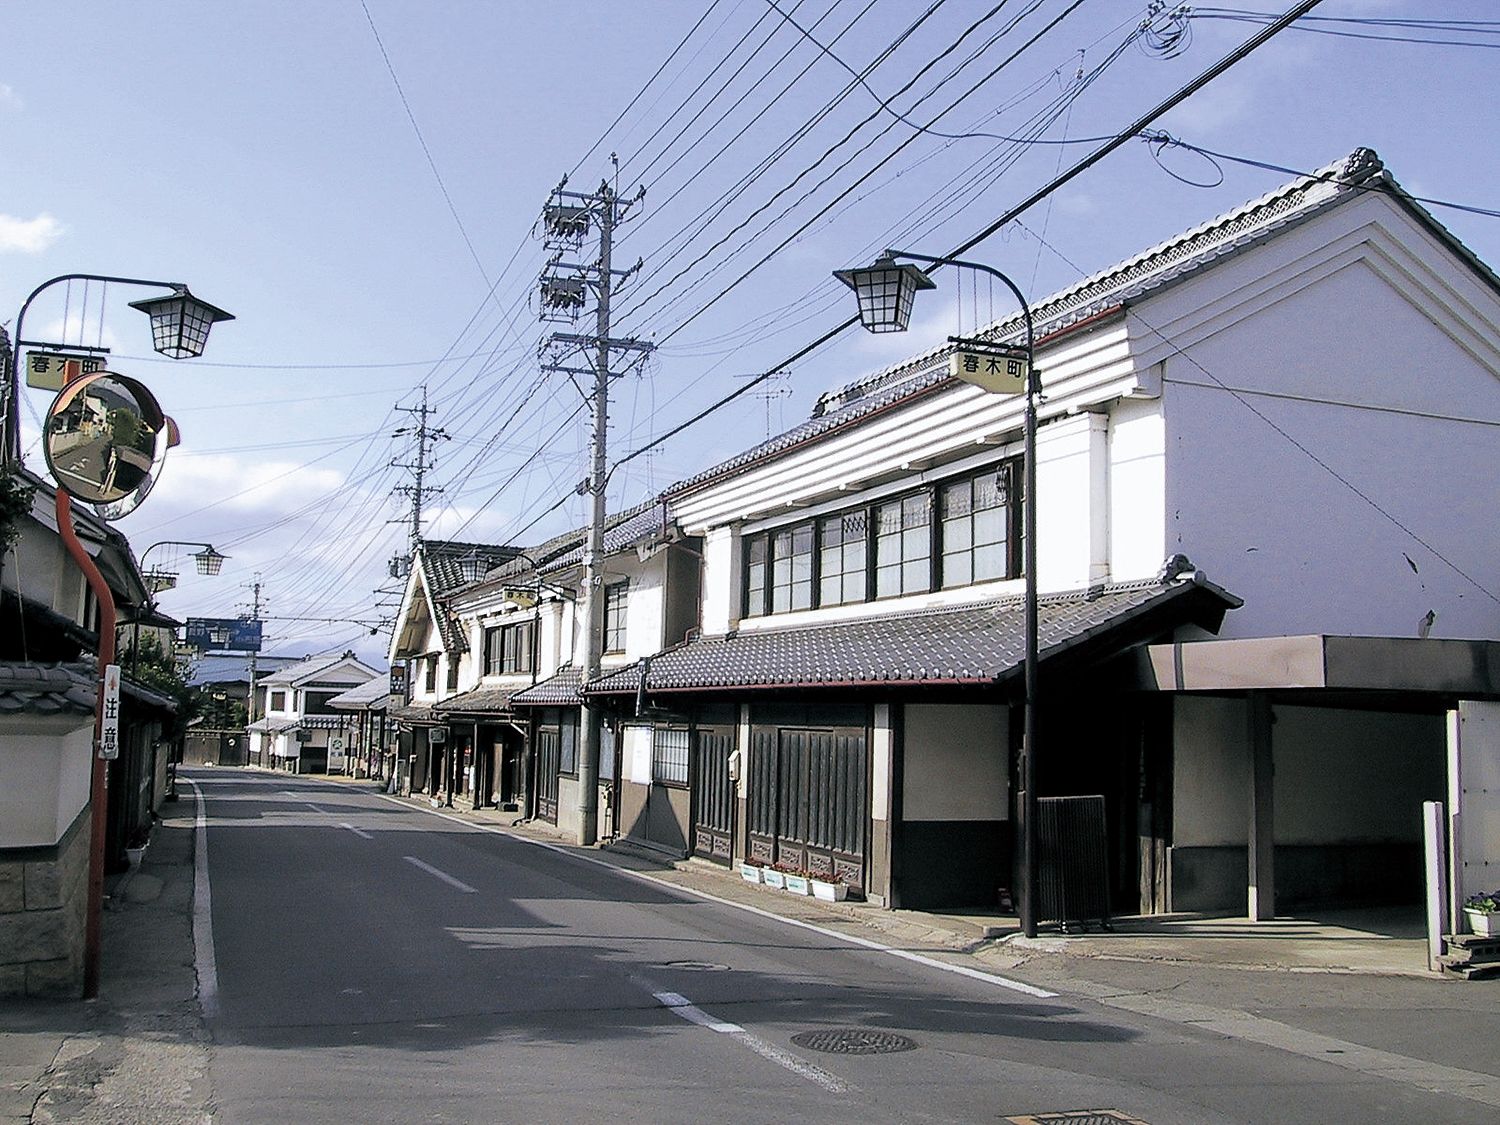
(830, 890)
(773, 877)
(1483, 913)
(796, 882)
(750, 872)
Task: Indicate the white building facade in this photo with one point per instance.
(1258, 438)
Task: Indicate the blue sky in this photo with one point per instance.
(358, 182)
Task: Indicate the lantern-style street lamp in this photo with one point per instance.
(179, 329)
(885, 291)
(208, 561)
(180, 323)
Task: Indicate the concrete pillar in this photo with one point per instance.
(1262, 890)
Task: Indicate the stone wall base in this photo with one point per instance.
(43, 907)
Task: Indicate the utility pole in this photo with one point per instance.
(250, 702)
(425, 436)
(567, 220)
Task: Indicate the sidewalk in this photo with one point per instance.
(138, 1054)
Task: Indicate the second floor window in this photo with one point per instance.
(614, 616)
(963, 531)
(792, 567)
(976, 517)
(429, 680)
(278, 701)
(903, 546)
(510, 648)
(843, 547)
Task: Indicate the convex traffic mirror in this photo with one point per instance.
(105, 438)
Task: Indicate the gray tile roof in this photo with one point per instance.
(443, 559)
(226, 668)
(622, 529)
(560, 690)
(974, 645)
(414, 715)
(1120, 285)
(478, 701)
(47, 689)
(269, 725)
(370, 696)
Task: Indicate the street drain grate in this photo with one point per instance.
(1078, 1117)
(854, 1041)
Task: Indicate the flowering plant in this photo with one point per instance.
(1484, 904)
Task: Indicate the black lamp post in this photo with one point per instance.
(179, 329)
(885, 291)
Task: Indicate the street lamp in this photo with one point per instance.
(208, 561)
(98, 424)
(885, 291)
(179, 329)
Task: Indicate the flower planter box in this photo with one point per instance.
(1483, 924)
(750, 872)
(772, 878)
(830, 892)
(797, 884)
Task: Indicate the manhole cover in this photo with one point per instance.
(1079, 1117)
(695, 966)
(854, 1041)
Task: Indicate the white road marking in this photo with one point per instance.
(681, 1006)
(204, 963)
(443, 875)
(360, 832)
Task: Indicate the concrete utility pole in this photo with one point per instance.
(425, 436)
(567, 220)
(250, 701)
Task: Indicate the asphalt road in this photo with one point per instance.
(373, 963)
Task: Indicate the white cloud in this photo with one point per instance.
(245, 486)
(9, 99)
(28, 236)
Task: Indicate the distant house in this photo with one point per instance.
(365, 742)
(299, 724)
(223, 678)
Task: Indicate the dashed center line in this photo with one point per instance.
(443, 875)
(681, 1006)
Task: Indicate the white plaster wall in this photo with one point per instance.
(644, 613)
(45, 776)
(721, 580)
(881, 762)
(955, 763)
(1070, 507)
(1137, 490)
(1329, 517)
(1210, 772)
(1354, 776)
